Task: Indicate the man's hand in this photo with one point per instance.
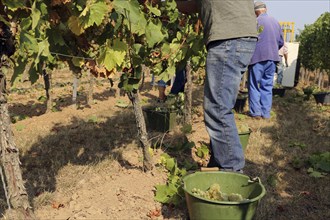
(286, 59)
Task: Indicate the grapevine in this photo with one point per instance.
(108, 38)
(314, 45)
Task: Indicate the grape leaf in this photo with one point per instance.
(166, 50)
(43, 50)
(93, 14)
(33, 75)
(78, 62)
(165, 156)
(27, 41)
(168, 73)
(316, 174)
(18, 70)
(154, 34)
(131, 10)
(43, 8)
(203, 151)
(25, 23)
(120, 49)
(175, 179)
(164, 193)
(56, 38)
(170, 164)
(113, 56)
(14, 4)
(154, 10)
(75, 25)
(35, 14)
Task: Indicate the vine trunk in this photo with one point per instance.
(188, 95)
(91, 88)
(142, 130)
(48, 88)
(16, 194)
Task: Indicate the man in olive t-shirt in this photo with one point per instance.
(230, 33)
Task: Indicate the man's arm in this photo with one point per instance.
(286, 59)
(188, 6)
(285, 53)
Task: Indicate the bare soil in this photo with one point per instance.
(84, 162)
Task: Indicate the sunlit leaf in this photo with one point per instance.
(154, 10)
(154, 34)
(93, 14)
(168, 73)
(131, 10)
(170, 164)
(163, 193)
(113, 56)
(75, 25)
(35, 14)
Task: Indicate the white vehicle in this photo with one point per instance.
(290, 71)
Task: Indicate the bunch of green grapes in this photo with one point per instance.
(214, 193)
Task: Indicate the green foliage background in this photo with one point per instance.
(314, 49)
(118, 36)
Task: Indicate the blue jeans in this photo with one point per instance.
(261, 77)
(226, 62)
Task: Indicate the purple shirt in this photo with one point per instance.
(270, 40)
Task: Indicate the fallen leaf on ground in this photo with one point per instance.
(284, 194)
(57, 205)
(154, 213)
(304, 193)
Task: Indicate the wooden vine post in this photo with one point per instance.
(75, 85)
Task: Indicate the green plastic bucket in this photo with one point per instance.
(230, 182)
(244, 139)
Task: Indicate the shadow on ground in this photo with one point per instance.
(82, 142)
(300, 129)
(291, 192)
(37, 108)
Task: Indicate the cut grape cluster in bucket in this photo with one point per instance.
(214, 193)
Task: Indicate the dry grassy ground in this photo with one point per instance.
(85, 163)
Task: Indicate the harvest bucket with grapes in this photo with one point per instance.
(222, 195)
